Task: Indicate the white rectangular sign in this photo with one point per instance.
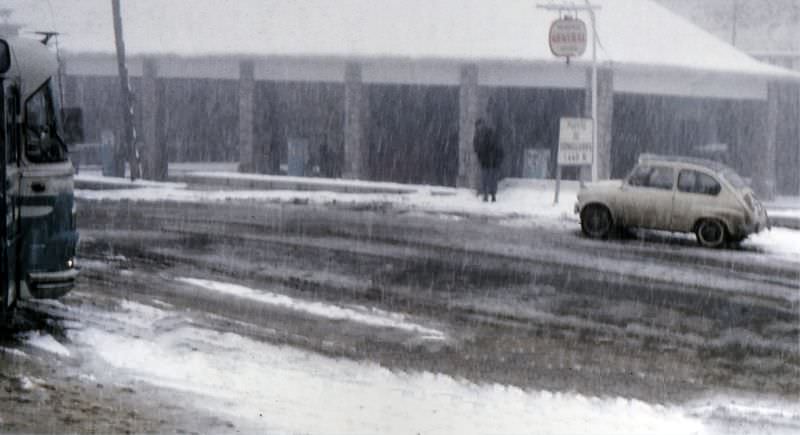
(575, 142)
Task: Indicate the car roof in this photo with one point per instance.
(710, 164)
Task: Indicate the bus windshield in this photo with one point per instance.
(42, 144)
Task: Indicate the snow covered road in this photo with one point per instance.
(259, 387)
(293, 315)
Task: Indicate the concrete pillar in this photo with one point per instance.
(471, 105)
(247, 87)
(795, 143)
(764, 174)
(788, 141)
(67, 84)
(153, 151)
(354, 126)
(71, 91)
(788, 144)
(605, 119)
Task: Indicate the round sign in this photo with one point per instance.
(568, 37)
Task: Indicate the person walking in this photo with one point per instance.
(490, 156)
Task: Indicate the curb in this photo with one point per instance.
(311, 185)
(785, 222)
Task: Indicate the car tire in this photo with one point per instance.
(710, 233)
(596, 221)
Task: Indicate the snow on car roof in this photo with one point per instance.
(635, 33)
(710, 164)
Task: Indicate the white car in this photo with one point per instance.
(671, 193)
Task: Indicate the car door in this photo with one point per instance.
(647, 197)
(9, 142)
(696, 191)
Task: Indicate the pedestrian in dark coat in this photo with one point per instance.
(490, 156)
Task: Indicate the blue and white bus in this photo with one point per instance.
(40, 235)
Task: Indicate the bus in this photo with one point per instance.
(40, 236)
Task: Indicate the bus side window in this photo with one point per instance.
(11, 130)
(3, 129)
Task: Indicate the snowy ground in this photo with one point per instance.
(265, 388)
(519, 202)
(261, 386)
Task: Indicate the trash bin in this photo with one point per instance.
(297, 157)
(536, 163)
(107, 147)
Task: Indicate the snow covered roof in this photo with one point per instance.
(633, 34)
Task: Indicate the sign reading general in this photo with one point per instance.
(568, 37)
(575, 142)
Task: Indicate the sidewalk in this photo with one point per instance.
(516, 198)
(784, 211)
(235, 180)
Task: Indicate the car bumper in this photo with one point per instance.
(51, 285)
(755, 227)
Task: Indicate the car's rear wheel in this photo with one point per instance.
(710, 233)
(596, 221)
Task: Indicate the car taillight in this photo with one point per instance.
(749, 201)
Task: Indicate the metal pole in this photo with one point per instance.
(558, 183)
(594, 92)
(591, 9)
(128, 136)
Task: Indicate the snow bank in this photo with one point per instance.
(516, 199)
(778, 241)
(277, 389)
(125, 182)
(46, 342)
(358, 314)
(265, 388)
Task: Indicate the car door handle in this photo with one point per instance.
(38, 187)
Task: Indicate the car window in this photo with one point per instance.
(707, 185)
(661, 178)
(734, 178)
(686, 181)
(656, 177)
(639, 175)
(698, 182)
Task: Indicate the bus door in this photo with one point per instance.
(10, 177)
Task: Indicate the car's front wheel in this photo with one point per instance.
(710, 233)
(596, 221)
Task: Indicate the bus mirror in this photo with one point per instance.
(73, 125)
(5, 57)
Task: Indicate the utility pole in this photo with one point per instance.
(735, 21)
(126, 105)
(595, 125)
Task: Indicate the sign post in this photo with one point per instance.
(567, 37)
(574, 145)
(564, 33)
